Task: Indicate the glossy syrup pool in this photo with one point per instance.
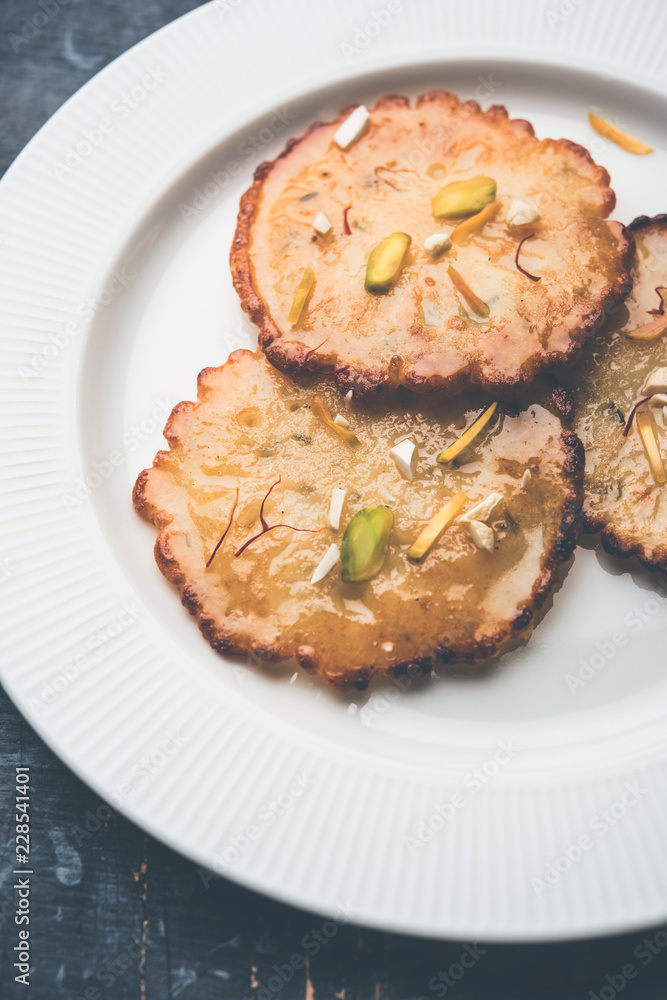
(283, 459)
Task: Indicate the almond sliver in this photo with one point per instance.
(617, 135)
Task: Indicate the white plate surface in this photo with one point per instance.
(115, 227)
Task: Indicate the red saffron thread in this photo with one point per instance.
(393, 170)
(346, 224)
(628, 423)
(384, 179)
(320, 371)
(661, 311)
(229, 524)
(516, 259)
(266, 527)
(266, 497)
(315, 371)
(259, 535)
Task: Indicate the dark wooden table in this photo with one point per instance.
(115, 914)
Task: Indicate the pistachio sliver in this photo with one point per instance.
(649, 331)
(462, 198)
(475, 222)
(321, 410)
(617, 135)
(365, 543)
(462, 286)
(436, 526)
(647, 434)
(302, 293)
(385, 262)
(457, 447)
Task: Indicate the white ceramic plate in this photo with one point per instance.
(116, 223)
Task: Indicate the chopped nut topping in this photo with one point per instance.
(437, 244)
(336, 508)
(405, 457)
(648, 331)
(617, 135)
(475, 222)
(655, 382)
(326, 563)
(461, 198)
(385, 262)
(482, 535)
(436, 526)
(365, 543)
(457, 447)
(321, 410)
(462, 286)
(322, 224)
(521, 213)
(647, 434)
(482, 511)
(302, 293)
(353, 127)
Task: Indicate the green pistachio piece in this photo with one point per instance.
(365, 543)
(302, 293)
(461, 198)
(385, 262)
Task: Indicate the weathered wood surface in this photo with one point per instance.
(114, 912)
